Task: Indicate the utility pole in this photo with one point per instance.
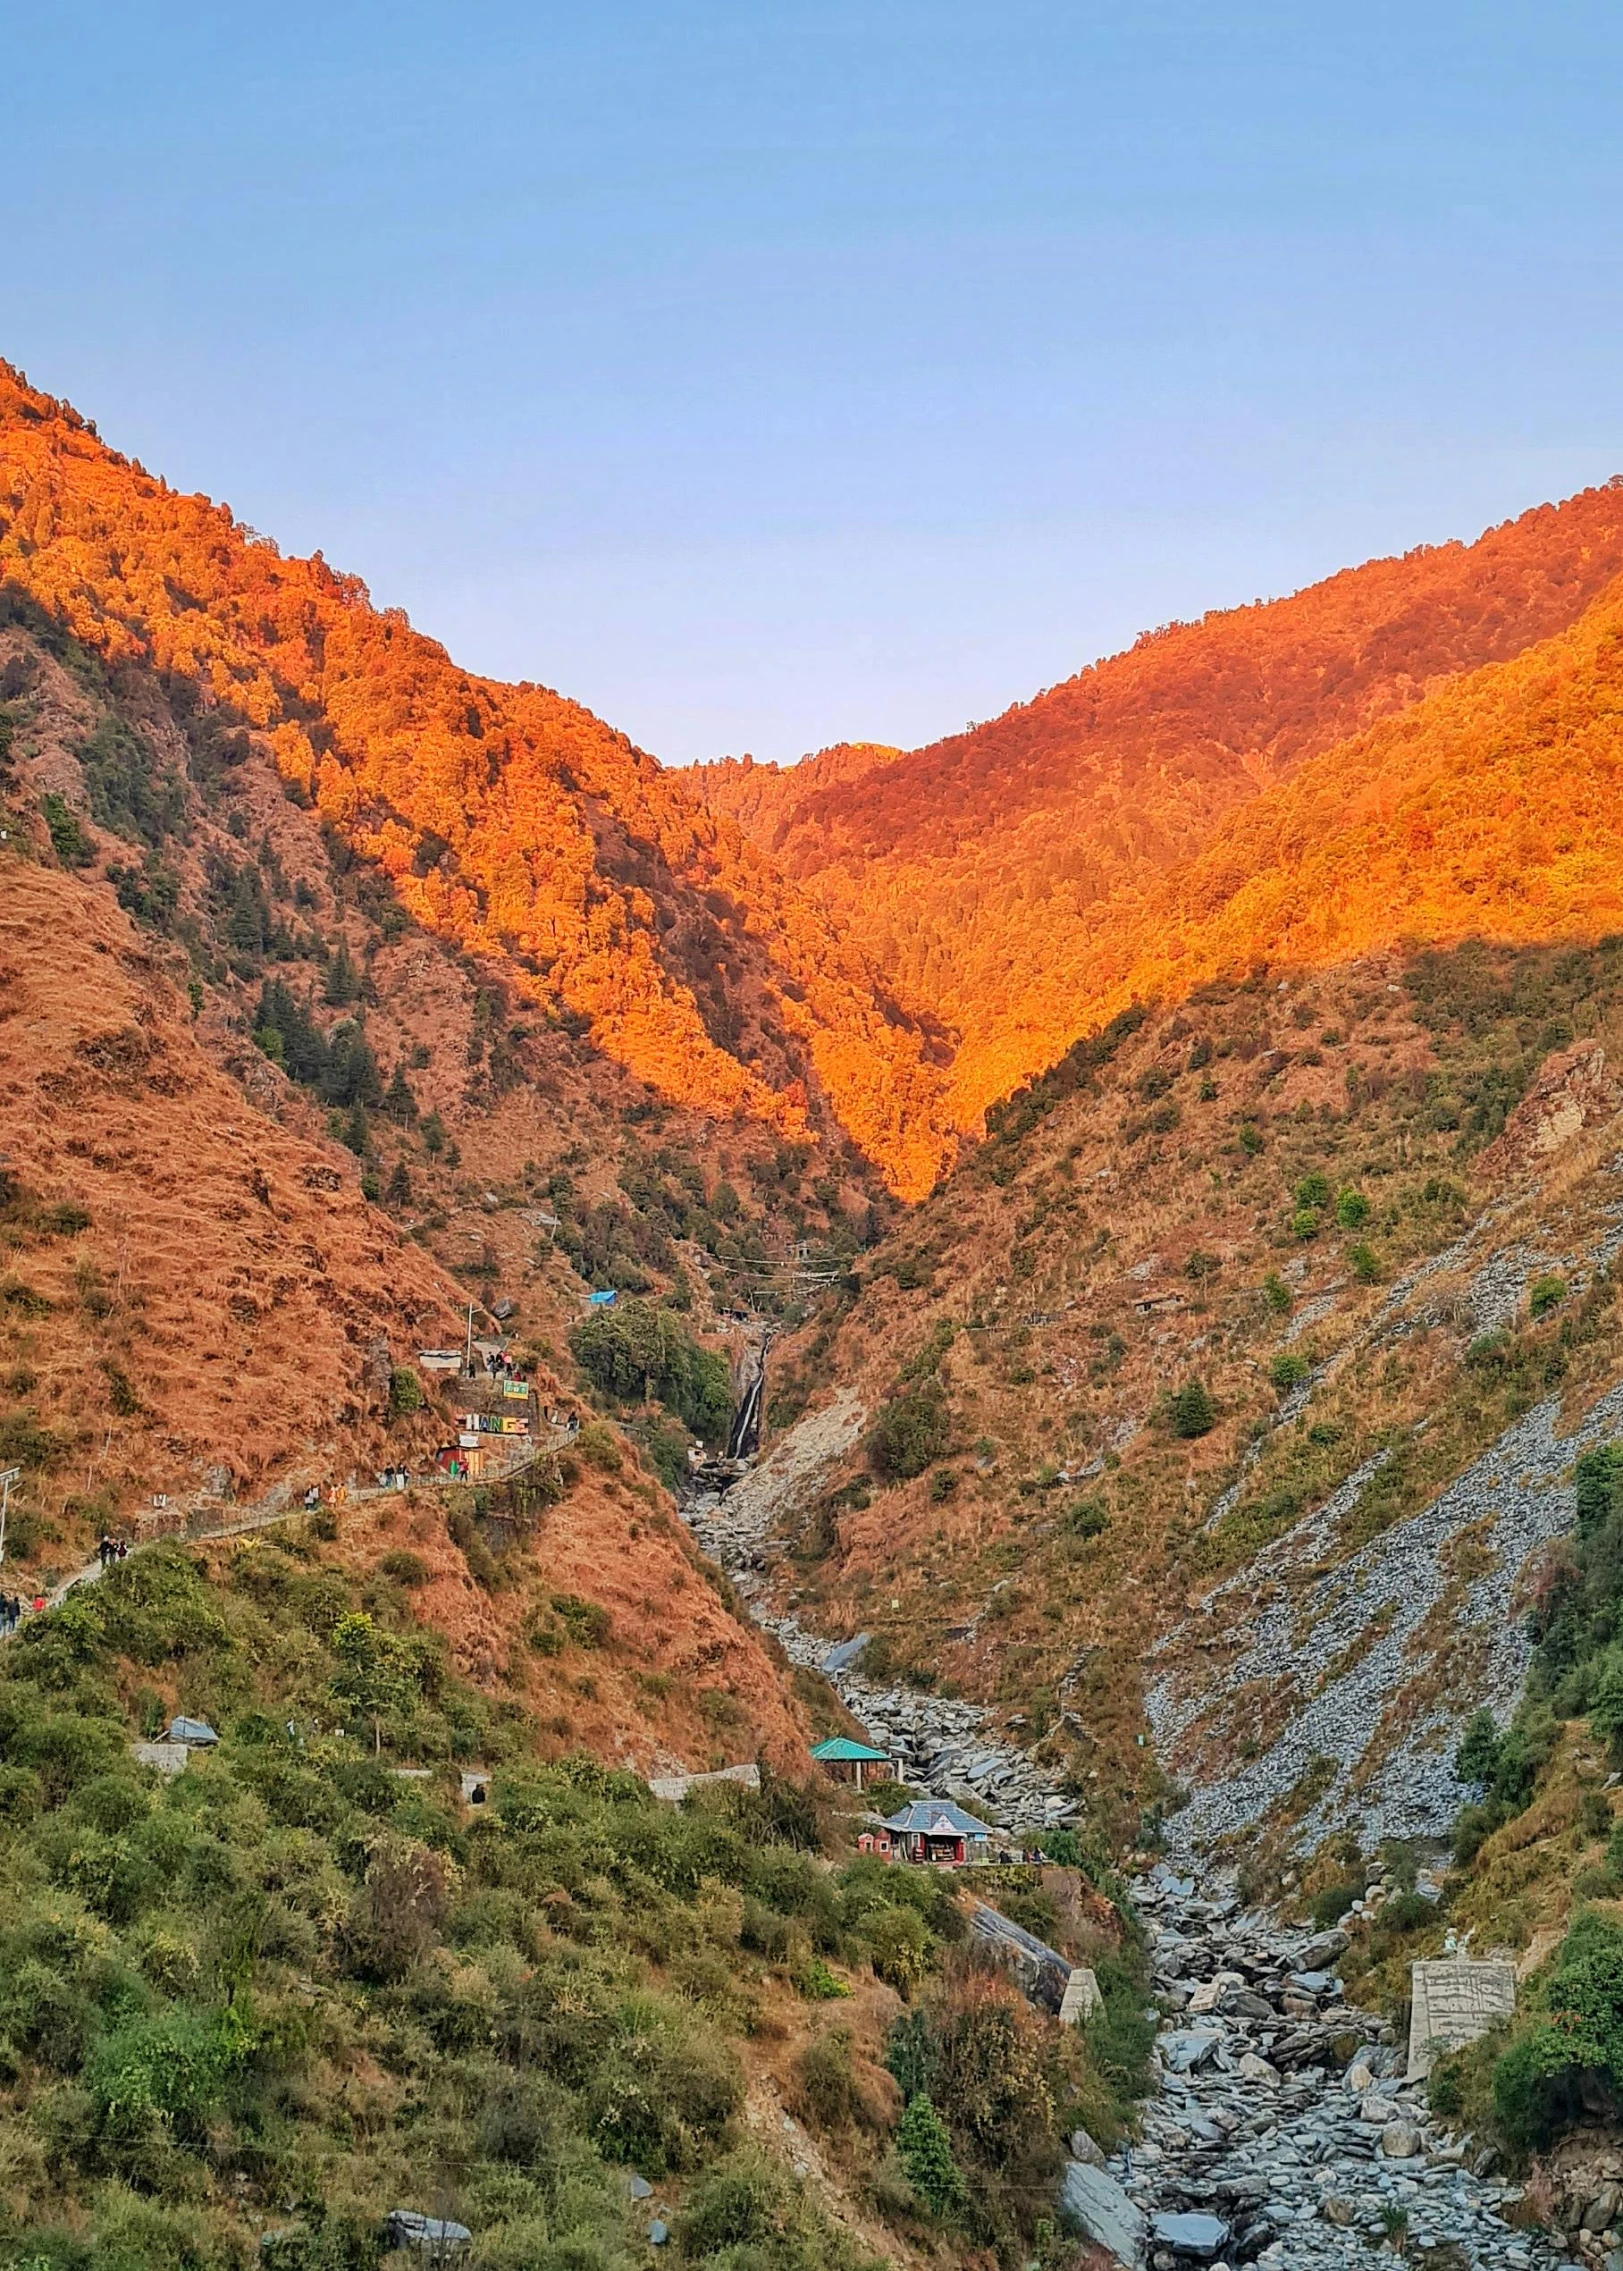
(11, 1475)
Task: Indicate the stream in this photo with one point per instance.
(1262, 2143)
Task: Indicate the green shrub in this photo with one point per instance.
(1352, 1208)
(638, 1348)
(1276, 1294)
(1328, 1907)
(911, 1432)
(1548, 1293)
(587, 1623)
(405, 1567)
(68, 840)
(1313, 1193)
(405, 1392)
(924, 2147)
(1288, 1371)
(1365, 1263)
(1190, 1410)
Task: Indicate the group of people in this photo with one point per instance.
(109, 1550)
(11, 1614)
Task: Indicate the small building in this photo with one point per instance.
(846, 1760)
(875, 1838)
(936, 1831)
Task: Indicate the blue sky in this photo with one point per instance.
(766, 375)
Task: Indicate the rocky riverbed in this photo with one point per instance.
(1266, 2143)
(938, 1742)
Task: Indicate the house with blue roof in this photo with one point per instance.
(935, 1831)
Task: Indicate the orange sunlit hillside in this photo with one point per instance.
(509, 819)
(1493, 808)
(977, 872)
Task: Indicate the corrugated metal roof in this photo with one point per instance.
(842, 1747)
(936, 1817)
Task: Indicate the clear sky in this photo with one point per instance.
(772, 372)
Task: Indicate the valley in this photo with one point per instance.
(1166, 1145)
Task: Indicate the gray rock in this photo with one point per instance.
(1094, 2204)
(1401, 2140)
(1084, 2149)
(1199, 2239)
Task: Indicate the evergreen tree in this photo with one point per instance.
(398, 1192)
(398, 1100)
(343, 980)
(1191, 1410)
(926, 2154)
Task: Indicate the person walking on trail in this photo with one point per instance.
(121, 1551)
(104, 1551)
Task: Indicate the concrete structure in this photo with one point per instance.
(1455, 2000)
(673, 1788)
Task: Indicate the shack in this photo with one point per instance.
(845, 1760)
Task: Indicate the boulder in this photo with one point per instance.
(1255, 2069)
(1400, 2140)
(1084, 2149)
(1184, 2052)
(1320, 1954)
(1095, 2205)
(1196, 2238)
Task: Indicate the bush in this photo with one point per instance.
(1352, 1208)
(1312, 1192)
(1547, 1294)
(924, 2148)
(1328, 1907)
(68, 840)
(1365, 1263)
(1191, 1411)
(405, 1392)
(911, 1432)
(405, 1568)
(1288, 1371)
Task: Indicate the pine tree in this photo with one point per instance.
(398, 1100)
(343, 982)
(926, 2154)
(398, 1192)
(1192, 1411)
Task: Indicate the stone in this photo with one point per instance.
(1198, 2239)
(1377, 2110)
(1183, 2053)
(1336, 2209)
(1455, 2000)
(1360, 2076)
(1601, 2210)
(1084, 2149)
(1400, 2140)
(1255, 2069)
(1320, 1953)
(1094, 2204)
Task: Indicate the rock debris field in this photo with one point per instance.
(1351, 1641)
(1260, 2147)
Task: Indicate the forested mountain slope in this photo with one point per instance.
(505, 819)
(979, 872)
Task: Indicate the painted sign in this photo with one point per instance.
(516, 1390)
